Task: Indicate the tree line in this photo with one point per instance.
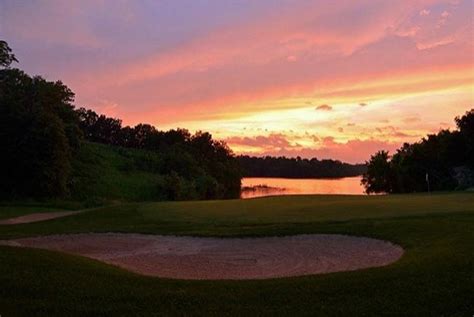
(442, 161)
(298, 167)
(41, 134)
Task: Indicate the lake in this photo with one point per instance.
(266, 186)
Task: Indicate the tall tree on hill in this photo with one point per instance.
(99, 128)
(38, 133)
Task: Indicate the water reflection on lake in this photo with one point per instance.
(262, 186)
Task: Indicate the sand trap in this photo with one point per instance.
(37, 217)
(215, 258)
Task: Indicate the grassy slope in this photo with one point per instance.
(105, 172)
(435, 276)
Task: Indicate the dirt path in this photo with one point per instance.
(37, 217)
(215, 258)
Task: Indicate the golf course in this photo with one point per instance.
(236, 158)
(434, 277)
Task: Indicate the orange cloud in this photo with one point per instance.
(353, 151)
(324, 107)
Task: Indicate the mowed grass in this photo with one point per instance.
(435, 277)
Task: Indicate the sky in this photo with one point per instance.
(327, 79)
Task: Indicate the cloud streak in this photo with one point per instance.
(353, 151)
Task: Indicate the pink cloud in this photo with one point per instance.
(425, 12)
(353, 151)
(270, 142)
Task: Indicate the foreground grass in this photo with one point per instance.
(435, 276)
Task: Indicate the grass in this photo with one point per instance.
(105, 173)
(434, 278)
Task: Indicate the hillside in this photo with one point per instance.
(104, 172)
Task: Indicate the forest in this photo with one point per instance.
(442, 161)
(297, 167)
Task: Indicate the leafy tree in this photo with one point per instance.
(99, 128)
(465, 125)
(377, 179)
(37, 135)
(6, 55)
(442, 161)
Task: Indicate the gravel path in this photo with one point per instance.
(37, 217)
(230, 258)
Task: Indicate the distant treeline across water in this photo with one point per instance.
(298, 167)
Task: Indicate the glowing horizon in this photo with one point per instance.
(328, 79)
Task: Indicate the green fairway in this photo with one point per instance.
(435, 277)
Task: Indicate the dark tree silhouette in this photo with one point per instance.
(38, 134)
(445, 159)
(465, 125)
(377, 178)
(6, 55)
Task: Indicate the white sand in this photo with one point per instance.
(37, 217)
(230, 258)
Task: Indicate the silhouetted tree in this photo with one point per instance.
(378, 176)
(465, 125)
(6, 55)
(99, 128)
(444, 159)
(38, 134)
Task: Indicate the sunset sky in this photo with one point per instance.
(331, 79)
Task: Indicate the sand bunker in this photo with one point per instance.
(232, 258)
(37, 217)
